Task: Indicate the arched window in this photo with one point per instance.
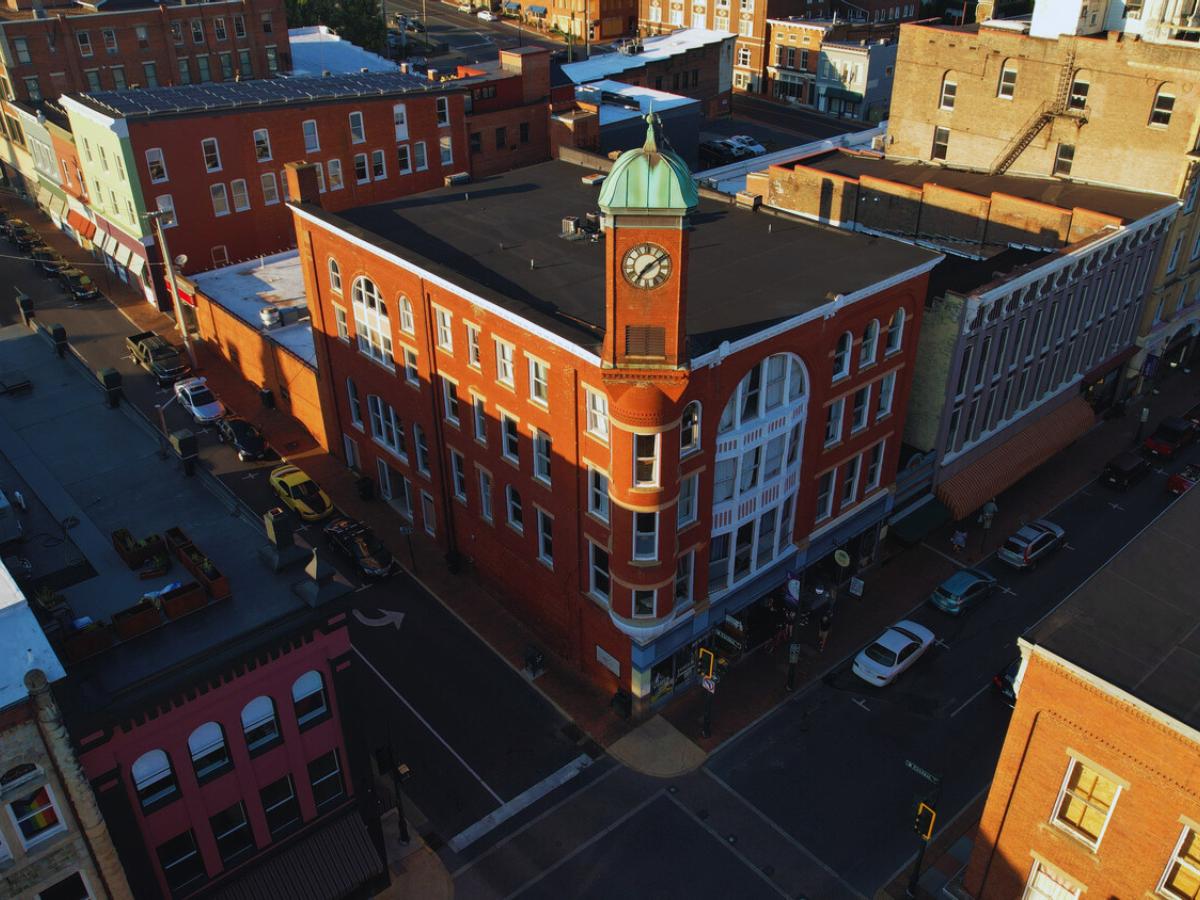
(870, 344)
(153, 778)
(689, 429)
(895, 332)
(841, 356)
(1007, 87)
(406, 315)
(259, 723)
(949, 91)
(335, 276)
(18, 774)
(308, 697)
(371, 322)
(210, 754)
(1164, 105)
(784, 378)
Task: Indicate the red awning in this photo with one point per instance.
(82, 225)
(1005, 465)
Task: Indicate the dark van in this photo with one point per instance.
(1127, 469)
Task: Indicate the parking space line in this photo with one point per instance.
(969, 700)
(742, 858)
(604, 832)
(430, 728)
(526, 798)
(782, 833)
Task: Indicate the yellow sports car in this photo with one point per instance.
(301, 493)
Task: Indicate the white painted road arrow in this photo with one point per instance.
(386, 617)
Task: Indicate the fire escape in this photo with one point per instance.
(1042, 116)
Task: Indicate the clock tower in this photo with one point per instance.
(645, 200)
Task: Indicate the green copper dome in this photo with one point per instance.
(648, 179)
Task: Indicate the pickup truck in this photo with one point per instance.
(156, 356)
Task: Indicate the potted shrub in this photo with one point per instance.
(182, 600)
(137, 619)
(123, 543)
(156, 567)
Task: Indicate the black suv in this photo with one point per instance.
(359, 544)
(1125, 471)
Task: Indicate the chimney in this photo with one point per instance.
(302, 184)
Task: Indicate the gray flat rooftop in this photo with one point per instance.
(747, 270)
(98, 470)
(1129, 205)
(230, 95)
(1136, 622)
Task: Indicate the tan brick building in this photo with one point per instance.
(1114, 107)
(1096, 792)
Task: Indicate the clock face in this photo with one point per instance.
(646, 266)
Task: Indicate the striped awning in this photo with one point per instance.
(1005, 465)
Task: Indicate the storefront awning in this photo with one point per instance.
(512, 6)
(918, 520)
(843, 94)
(83, 226)
(538, 10)
(1008, 463)
(137, 266)
(334, 861)
(44, 197)
(107, 242)
(58, 207)
(122, 255)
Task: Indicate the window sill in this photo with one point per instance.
(324, 716)
(515, 463)
(644, 563)
(517, 529)
(832, 445)
(456, 424)
(597, 438)
(1059, 828)
(461, 499)
(544, 482)
(548, 563)
(415, 385)
(255, 752)
(595, 517)
(426, 474)
(543, 405)
(161, 803)
(208, 777)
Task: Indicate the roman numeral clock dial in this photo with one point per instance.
(646, 266)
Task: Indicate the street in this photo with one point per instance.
(469, 38)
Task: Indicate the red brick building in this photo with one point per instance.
(630, 439)
(508, 111)
(213, 156)
(77, 47)
(1096, 792)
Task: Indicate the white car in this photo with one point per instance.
(487, 15)
(748, 143)
(194, 396)
(892, 652)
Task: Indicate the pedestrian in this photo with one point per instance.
(824, 626)
(959, 540)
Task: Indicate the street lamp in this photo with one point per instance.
(155, 217)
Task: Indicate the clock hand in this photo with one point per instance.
(647, 266)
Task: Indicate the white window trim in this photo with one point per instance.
(443, 328)
(657, 535)
(505, 416)
(518, 527)
(543, 516)
(694, 478)
(840, 404)
(593, 546)
(474, 348)
(593, 511)
(511, 382)
(204, 154)
(536, 438)
(1177, 858)
(1062, 792)
(603, 426)
(59, 827)
(532, 362)
(655, 479)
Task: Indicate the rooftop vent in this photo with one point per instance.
(593, 180)
(270, 317)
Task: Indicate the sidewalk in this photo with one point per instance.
(754, 686)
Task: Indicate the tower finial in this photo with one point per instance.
(651, 145)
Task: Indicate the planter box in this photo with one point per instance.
(88, 642)
(177, 540)
(137, 553)
(136, 620)
(208, 575)
(184, 599)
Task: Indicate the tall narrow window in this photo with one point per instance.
(312, 139)
(510, 439)
(598, 494)
(270, 189)
(450, 400)
(240, 193)
(357, 132)
(445, 333)
(941, 143)
(645, 535)
(212, 154)
(156, 165)
(689, 429)
(474, 359)
(597, 414)
(645, 460)
(545, 538)
(400, 120)
(1079, 94)
(504, 363)
(1164, 105)
(335, 276)
(825, 495)
(949, 92)
(458, 473)
(541, 456)
(514, 510)
(833, 421)
(870, 344)
(485, 495)
(895, 332)
(153, 778)
(1063, 159)
(479, 409)
(688, 508)
(539, 382)
(443, 112)
(262, 145)
(1008, 81)
(599, 579)
(841, 356)
(260, 726)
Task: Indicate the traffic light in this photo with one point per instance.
(706, 659)
(923, 825)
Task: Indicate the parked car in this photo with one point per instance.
(466, 8)
(1184, 480)
(892, 653)
(194, 395)
(1031, 544)
(244, 437)
(414, 25)
(154, 354)
(300, 493)
(359, 544)
(487, 15)
(22, 234)
(1006, 681)
(1125, 471)
(749, 143)
(1171, 436)
(962, 590)
(48, 261)
(721, 152)
(77, 284)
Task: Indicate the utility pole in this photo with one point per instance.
(155, 216)
(587, 29)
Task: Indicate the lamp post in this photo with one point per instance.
(155, 216)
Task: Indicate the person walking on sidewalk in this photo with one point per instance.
(824, 626)
(958, 540)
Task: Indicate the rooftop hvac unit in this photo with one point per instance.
(591, 221)
(270, 317)
(458, 178)
(570, 225)
(877, 142)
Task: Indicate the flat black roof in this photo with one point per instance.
(1136, 622)
(1129, 205)
(964, 275)
(748, 270)
(222, 95)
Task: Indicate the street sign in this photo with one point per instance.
(404, 530)
(706, 660)
(924, 773)
(923, 825)
(709, 684)
(856, 587)
(841, 557)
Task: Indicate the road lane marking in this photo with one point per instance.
(525, 799)
(423, 721)
(775, 826)
(969, 700)
(588, 843)
(861, 702)
(728, 843)
(1117, 506)
(1005, 589)
(941, 643)
(945, 556)
(534, 821)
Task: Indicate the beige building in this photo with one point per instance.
(1076, 92)
(54, 844)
